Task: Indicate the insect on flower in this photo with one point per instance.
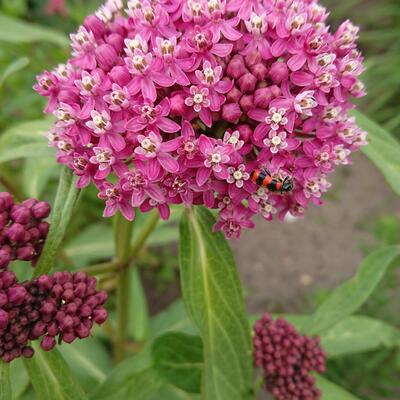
(264, 179)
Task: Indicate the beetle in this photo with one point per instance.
(263, 178)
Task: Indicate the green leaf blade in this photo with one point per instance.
(352, 294)
(214, 300)
(5, 384)
(178, 358)
(331, 391)
(51, 377)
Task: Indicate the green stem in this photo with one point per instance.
(141, 238)
(123, 233)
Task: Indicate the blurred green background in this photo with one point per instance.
(26, 50)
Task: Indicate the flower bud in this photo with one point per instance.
(26, 253)
(247, 83)
(262, 97)
(5, 258)
(47, 343)
(16, 294)
(41, 210)
(246, 102)
(234, 95)
(6, 201)
(275, 90)
(3, 319)
(43, 229)
(106, 56)
(260, 71)
(120, 75)
(96, 25)
(116, 41)
(27, 352)
(236, 67)
(279, 72)
(245, 132)
(99, 315)
(20, 214)
(178, 106)
(231, 112)
(16, 233)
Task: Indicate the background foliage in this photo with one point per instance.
(164, 354)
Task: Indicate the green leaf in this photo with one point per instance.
(357, 334)
(178, 358)
(214, 300)
(51, 377)
(169, 392)
(25, 151)
(19, 378)
(352, 294)
(27, 131)
(14, 67)
(15, 31)
(36, 174)
(66, 197)
(5, 384)
(383, 150)
(89, 360)
(138, 322)
(132, 379)
(331, 391)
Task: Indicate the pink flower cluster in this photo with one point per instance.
(178, 101)
(23, 230)
(287, 359)
(63, 306)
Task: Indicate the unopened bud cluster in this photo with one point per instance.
(22, 229)
(287, 358)
(57, 308)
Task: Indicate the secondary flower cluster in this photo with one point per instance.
(60, 307)
(287, 359)
(22, 229)
(178, 101)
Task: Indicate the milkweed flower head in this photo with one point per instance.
(57, 308)
(23, 229)
(287, 359)
(178, 101)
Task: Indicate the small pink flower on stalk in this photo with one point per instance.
(118, 99)
(216, 156)
(232, 220)
(116, 199)
(256, 42)
(83, 45)
(198, 99)
(157, 154)
(152, 117)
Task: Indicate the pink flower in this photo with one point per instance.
(232, 220)
(116, 199)
(157, 154)
(198, 99)
(152, 117)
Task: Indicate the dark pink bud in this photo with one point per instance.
(26, 253)
(275, 90)
(85, 311)
(43, 229)
(82, 331)
(41, 210)
(47, 343)
(262, 97)
(5, 258)
(279, 72)
(231, 112)
(260, 71)
(52, 328)
(234, 95)
(6, 201)
(68, 295)
(68, 96)
(4, 219)
(236, 67)
(101, 297)
(116, 41)
(178, 106)
(96, 25)
(67, 323)
(247, 83)
(7, 278)
(3, 299)
(120, 75)
(99, 315)
(245, 132)
(39, 329)
(3, 319)
(27, 352)
(16, 233)
(48, 308)
(106, 56)
(45, 282)
(80, 289)
(246, 102)
(16, 294)
(68, 337)
(20, 214)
